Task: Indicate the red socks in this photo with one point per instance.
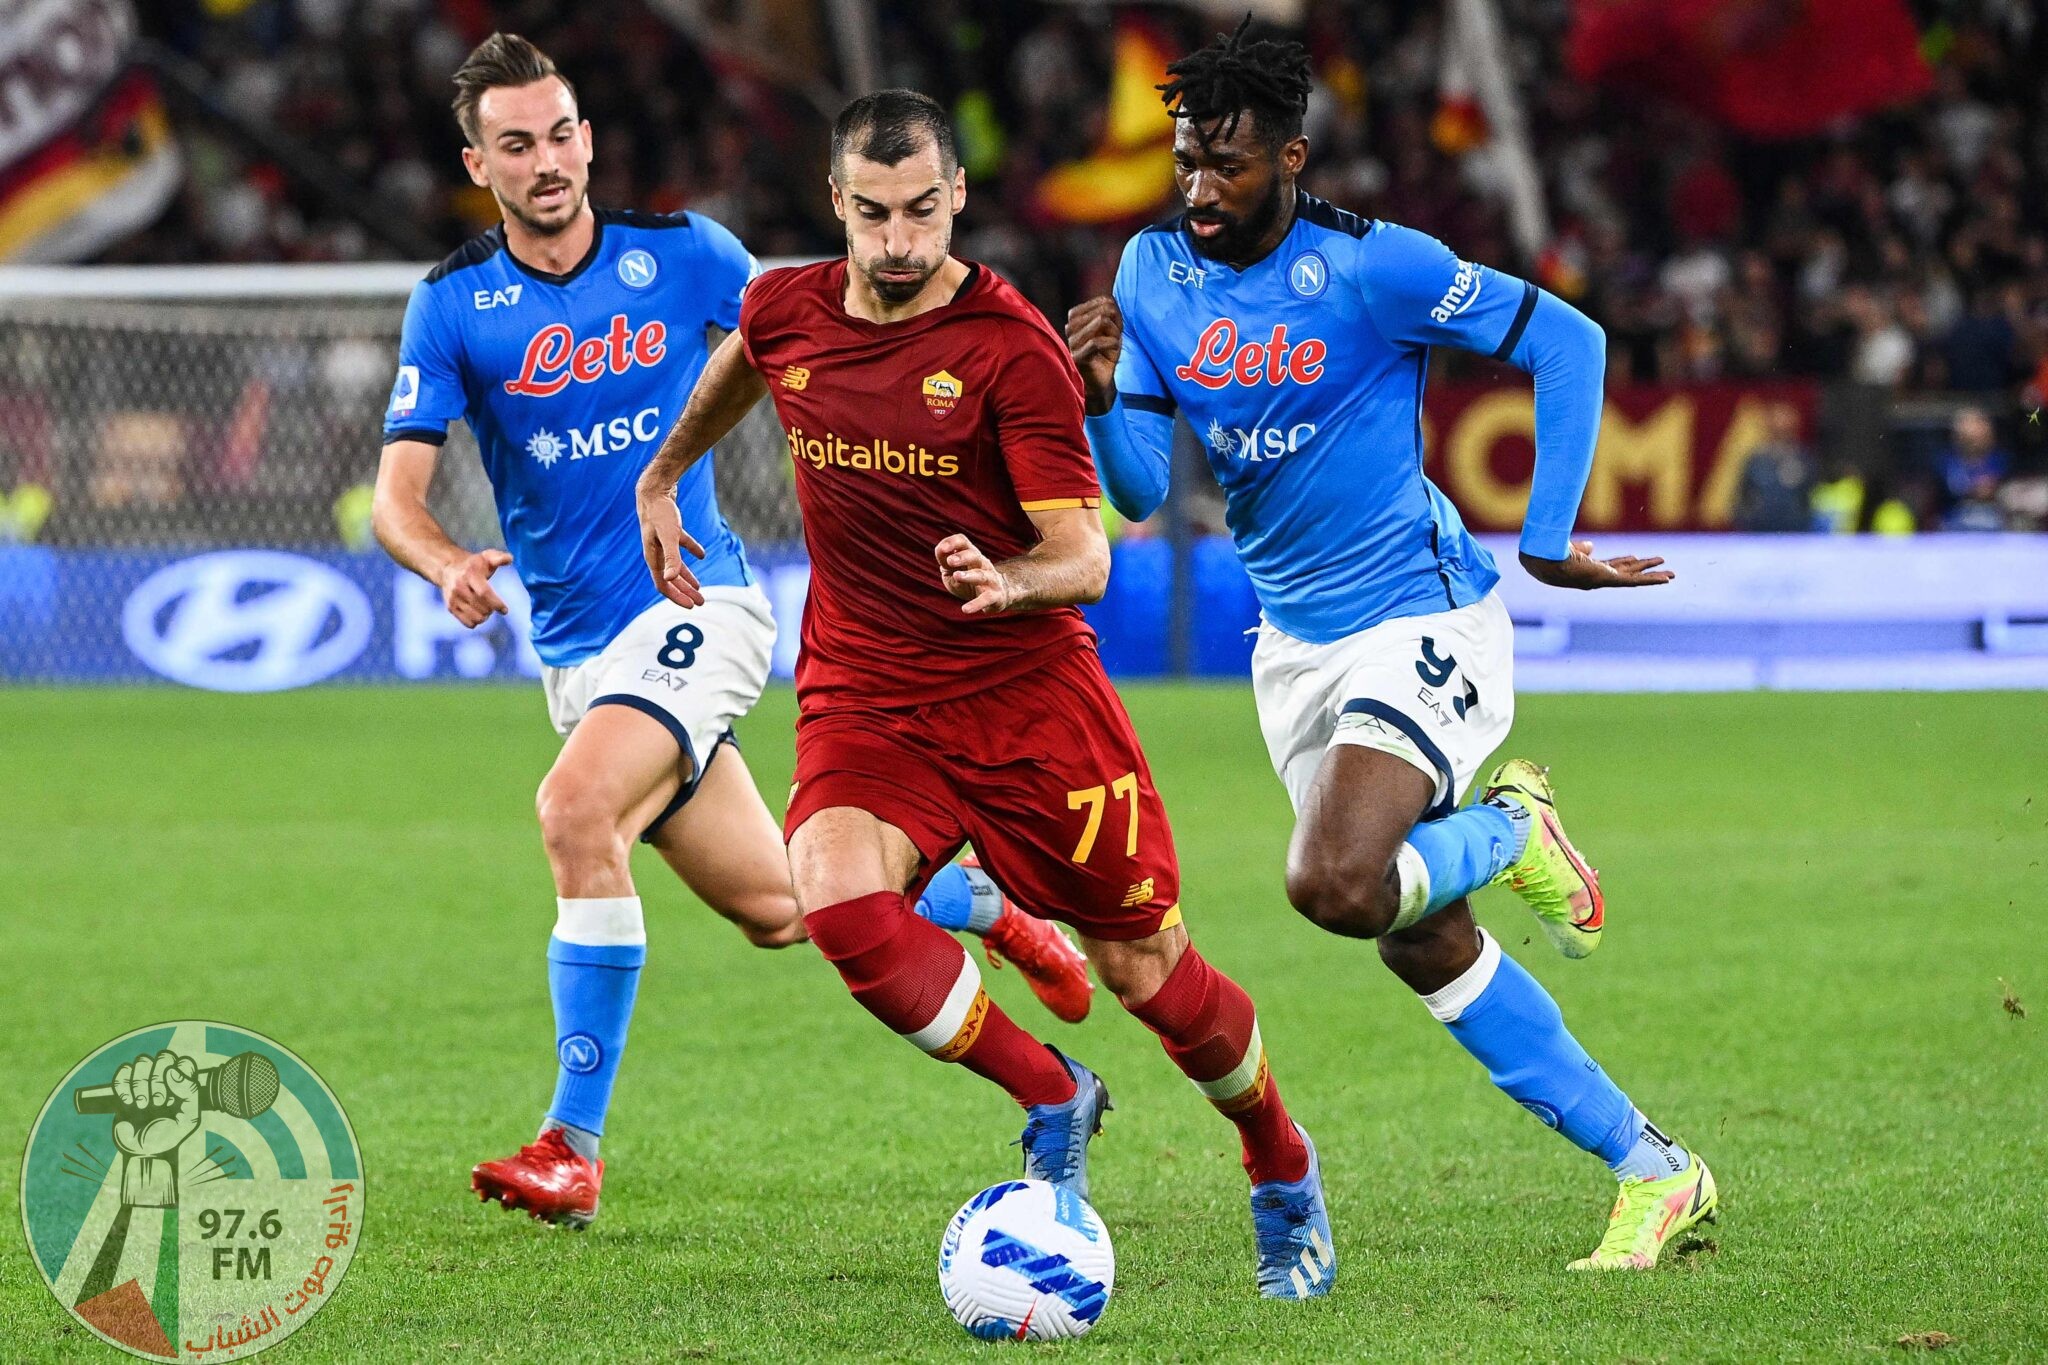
(1212, 1034)
(917, 979)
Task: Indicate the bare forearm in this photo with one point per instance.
(726, 391)
(410, 535)
(1057, 573)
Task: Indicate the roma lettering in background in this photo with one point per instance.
(1668, 459)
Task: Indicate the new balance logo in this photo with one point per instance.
(1316, 1260)
(1138, 894)
(795, 377)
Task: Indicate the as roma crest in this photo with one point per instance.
(941, 393)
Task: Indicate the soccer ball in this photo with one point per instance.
(1028, 1261)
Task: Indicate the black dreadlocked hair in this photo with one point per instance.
(1230, 75)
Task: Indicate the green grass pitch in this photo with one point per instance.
(1812, 899)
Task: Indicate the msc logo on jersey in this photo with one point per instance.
(545, 447)
(636, 269)
(1258, 443)
(795, 378)
(1462, 294)
(405, 394)
(941, 393)
(555, 358)
(1309, 276)
(1219, 361)
(599, 438)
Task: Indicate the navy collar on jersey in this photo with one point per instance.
(1307, 208)
(548, 277)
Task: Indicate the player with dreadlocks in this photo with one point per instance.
(1295, 337)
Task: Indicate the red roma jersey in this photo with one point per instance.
(962, 419)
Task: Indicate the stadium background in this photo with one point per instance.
(1817, 236)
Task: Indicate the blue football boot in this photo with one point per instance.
(1056, 1136)
(1297, 1259)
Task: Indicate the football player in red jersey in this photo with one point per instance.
(948, 687)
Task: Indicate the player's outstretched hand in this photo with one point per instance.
(466, 587)
(662, 541)
(1095, 335)
(970, 576)
(1580, 570)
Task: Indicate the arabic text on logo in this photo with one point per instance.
(192, 1191)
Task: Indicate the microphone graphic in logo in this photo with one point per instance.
(242, 1087)
(192, 1191)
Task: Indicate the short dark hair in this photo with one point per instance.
(501, 61)
(890, 125)
(1217, 83)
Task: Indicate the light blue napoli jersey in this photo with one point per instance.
(570, 383)
(1302, 375)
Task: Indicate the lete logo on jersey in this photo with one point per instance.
(1220, 361)
(555, 358)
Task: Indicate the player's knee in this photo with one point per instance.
(780, 936)
(851, 929)
(767, 921)
(1348, 899)
(1131, 980)
(577, 825)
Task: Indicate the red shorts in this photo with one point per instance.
(1043, 774)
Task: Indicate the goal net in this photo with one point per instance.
(243, 406)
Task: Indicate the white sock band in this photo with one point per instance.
(599, 921)
(955, 1012)
(1242, 1078)
(1413, 876)
(1452, 1001)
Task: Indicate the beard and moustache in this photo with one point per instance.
(568, 208)
(1241, 234)
(903, 291)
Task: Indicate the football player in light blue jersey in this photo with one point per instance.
(567, 338)
(1295, 339)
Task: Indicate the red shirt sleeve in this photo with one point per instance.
(760, 293)
(1038, 410)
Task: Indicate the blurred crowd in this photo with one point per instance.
(1906, 253)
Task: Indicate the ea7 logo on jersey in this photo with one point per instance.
(487, 299)
(1462, 294)
(555, 358)
(1219, 361)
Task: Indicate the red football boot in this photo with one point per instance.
(1052, 966)
(546, 1178)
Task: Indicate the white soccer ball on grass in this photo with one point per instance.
(1026, 1261)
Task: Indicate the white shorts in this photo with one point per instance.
(694, 671)
(1438, 691)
